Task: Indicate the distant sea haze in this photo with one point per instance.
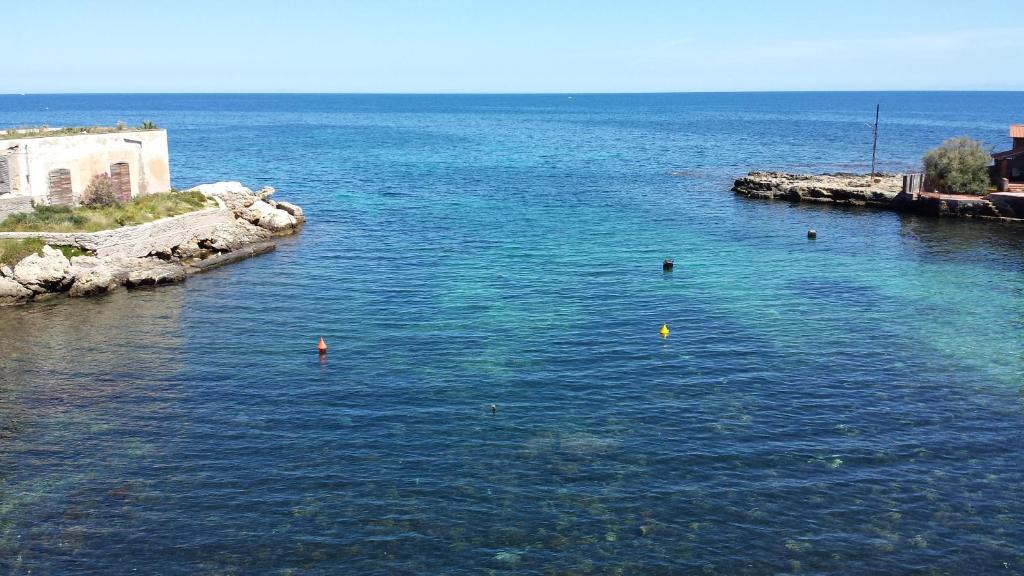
(848, 405)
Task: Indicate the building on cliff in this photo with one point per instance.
(55, 166)
(1009, 165)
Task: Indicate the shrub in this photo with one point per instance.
(959, 166)
(100, 191)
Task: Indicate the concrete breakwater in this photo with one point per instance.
(885, 191)
(161, 252)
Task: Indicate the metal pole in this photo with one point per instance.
(874, 145)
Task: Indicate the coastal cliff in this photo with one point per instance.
(884, 191)
(161, 252)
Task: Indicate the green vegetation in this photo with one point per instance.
(105, 217)
(12, 251)
(45, 131)
(959, 166)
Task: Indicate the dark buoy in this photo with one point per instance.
(666, 266)
(494, 409)
(812, 234)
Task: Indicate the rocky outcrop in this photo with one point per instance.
(294, 210)
(256, 207)
(234, 235)
(11, 292)
(154, 272)
(49, 272)
(884, 191)
(252, 221)
(94, 276)
(851, 189)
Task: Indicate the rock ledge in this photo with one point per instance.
(257, 220)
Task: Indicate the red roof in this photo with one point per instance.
(1017, 131)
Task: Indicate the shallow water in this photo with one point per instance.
(850, 405)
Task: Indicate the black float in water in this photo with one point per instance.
(666, 266)
(812, 234)
(494, 409)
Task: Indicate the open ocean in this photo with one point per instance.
(851, 405)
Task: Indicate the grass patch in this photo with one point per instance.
(13, 251)
(95, 218)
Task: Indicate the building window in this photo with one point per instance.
(5, 176)
(121, 176)
(60, 187)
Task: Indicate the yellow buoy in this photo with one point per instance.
(664, 331)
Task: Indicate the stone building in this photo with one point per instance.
(1009, 165)
(41, 169)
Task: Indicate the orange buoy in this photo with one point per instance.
(322, 346)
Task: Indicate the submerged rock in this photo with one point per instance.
(153, 272)
(506, 557)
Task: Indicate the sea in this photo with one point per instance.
(848, 405)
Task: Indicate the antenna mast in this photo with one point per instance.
(874, 145)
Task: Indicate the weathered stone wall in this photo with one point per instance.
(155, 237)
(139, 156)
(10, 204)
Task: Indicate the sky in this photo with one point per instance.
(497, 46)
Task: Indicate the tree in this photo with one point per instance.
(959, 166)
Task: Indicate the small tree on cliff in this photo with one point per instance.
(959, 166)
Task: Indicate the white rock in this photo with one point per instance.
(271, 218)
(50, 272)
(152, 272)
(94, 276)
(13, 293)
(234, 235)
(292, 209)
(234, 195)
(278, 221)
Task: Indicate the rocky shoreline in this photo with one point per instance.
(884, 191)
(850, 189)
(255, 220)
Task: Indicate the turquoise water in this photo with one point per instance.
(852, 405)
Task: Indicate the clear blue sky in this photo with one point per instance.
(508, 46)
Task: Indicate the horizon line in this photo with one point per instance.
(555, 93)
